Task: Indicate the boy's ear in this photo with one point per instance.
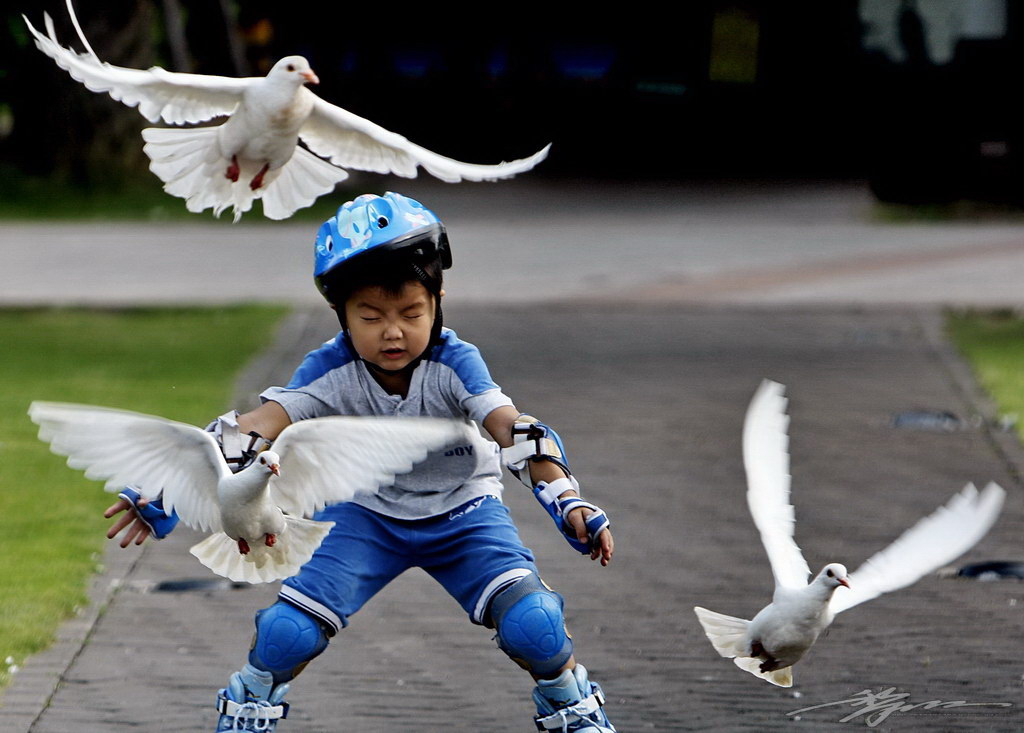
(441, 294)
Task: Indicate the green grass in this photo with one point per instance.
(179, 363)
(963, 210)
(24, 198)
(993, 343)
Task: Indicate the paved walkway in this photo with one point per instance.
(527, 240)
(650, 398)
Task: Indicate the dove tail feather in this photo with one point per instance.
(781, 677)
(189, 163)
(726, 633)
(299, 183)
(295, 546)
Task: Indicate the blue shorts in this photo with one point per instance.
(473, 551)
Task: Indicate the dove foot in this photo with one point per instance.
(768, 662)
(257, 181)
(271, 540)
(233, 170)
(243, 546)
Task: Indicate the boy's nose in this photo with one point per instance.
(392, 332)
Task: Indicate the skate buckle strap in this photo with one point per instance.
(259, 711)
(563, 717)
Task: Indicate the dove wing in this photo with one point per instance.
(350, 141)
(151, 453)
(938, 539)
(766, 458)
(158, 93)
(331, 459)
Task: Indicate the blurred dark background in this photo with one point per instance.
(919, 97)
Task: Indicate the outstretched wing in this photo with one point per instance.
(175, 97)
(938, 539)
(766, 458)
(350, 141)
(331, 459)
(151, 453)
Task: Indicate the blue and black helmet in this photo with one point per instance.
(377, 224)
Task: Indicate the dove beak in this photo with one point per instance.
(310, 77)
(275, 469)
(843, 581)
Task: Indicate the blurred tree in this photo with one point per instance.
(52, 126)
(726, 87)
(174, 20)
(58, 128)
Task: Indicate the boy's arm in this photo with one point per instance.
(499, 424)
(267, 420)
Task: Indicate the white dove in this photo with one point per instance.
(256, 515)
(255, 153)
(782, 632)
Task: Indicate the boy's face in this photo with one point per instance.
(390, 330)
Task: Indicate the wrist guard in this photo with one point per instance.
(532, 440)
(547, 494)
(239, 450)
(152, 514)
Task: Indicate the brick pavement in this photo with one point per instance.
(650, 399)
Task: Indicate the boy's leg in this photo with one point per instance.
(286, 640)
(358, 558)
(571, 702)
(531, 630)
(491, 573)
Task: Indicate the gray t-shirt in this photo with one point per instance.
(452, 381)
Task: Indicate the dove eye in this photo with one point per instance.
(382, 222)
(291, 67)
(829, 573)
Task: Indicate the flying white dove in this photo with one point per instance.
(255, 153)
(256, 516)
(782, 632)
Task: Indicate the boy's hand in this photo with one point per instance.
(603, 546)
(139, 530)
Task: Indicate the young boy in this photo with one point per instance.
(379, 264)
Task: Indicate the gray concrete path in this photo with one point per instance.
(650, 398)
(527, 240)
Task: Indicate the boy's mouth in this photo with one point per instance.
(393, 353)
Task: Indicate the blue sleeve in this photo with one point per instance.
(317, 363)
(471, 385)
(466, 361)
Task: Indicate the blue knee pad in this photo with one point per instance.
(531, 626)
(286, 640)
